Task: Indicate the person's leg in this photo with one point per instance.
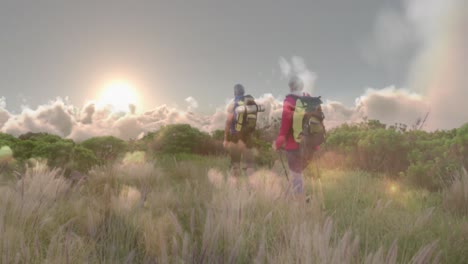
(295, 167)
(249, 160)
(235, 154)
(297, 182)
(248, 155)
(306, 157)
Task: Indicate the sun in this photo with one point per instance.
(119, 94)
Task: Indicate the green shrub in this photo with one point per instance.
(7, 140)
(7, 163)
(428, 159)
(182, 138)
(106, 149)
(264, 154)
(83, 159)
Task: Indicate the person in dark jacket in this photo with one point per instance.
(238, 144)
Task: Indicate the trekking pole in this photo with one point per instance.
(282, 163)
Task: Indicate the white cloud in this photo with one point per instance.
(128, 127)
(4, 115)
(391, 105)
(55, 117)
(438, 32)
(87, 113)
(2, 102)
(192, 103)
(337, 113)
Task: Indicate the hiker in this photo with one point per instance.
(240, 125)
(298, 143)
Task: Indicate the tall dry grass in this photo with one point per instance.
(33, 228)
(456, 195)
(179, 213)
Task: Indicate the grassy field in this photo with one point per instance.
(187, 210)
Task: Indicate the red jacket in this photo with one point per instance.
(285, 137)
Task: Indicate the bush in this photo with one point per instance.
(83, 159)
(218, 135)
(264, 154)
(7, 163)
(7, 140)
(383, 150)
(57, 152)
(106, 149)
(370, 146)
(427, 159)
(460, 145)
(181, 138)
(44, 137)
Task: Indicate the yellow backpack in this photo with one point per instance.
(245, 117)
(308, 127)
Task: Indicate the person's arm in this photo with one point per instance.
(227, 126)
(286, 123)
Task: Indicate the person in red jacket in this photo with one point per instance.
(285, 140)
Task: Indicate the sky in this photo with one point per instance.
(379, 59)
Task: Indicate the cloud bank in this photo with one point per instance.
(61, 118)
(436, 33)
(389, 105)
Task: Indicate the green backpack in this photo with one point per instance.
(308, 128)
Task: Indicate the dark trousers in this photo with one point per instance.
(299, 159)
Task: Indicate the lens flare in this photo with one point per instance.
(393, 188)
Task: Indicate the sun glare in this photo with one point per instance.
(118, 94)
(393, 188)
